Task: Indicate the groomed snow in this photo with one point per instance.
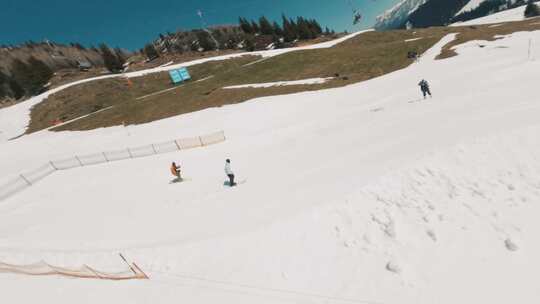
(515, 14)
(281, 83)
(413, 39)
(14, 120)
(419, 202)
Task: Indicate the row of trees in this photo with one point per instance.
(248, 35)
(224, 37)
(289, 29)
(27, 78)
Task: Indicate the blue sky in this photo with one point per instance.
(130, 24)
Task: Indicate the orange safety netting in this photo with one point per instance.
(85, 272)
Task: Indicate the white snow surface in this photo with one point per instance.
(424, 201)
(472, 4)
(281, 83)
(515, 14)
(413, 39)
(14, 120)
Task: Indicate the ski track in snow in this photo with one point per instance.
(282, 83)
(413, 204)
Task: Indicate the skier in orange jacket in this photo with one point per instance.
(175, 170)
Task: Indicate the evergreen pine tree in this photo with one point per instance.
(112, 62)
(265, 26)
(277, 29)
(21, 72)
(249, 44)
(245, 26)
(531, 10)
(327, 31)
(255, 27)
(41, 72)
(15, 88)
(294, 29)
(205, 41)
(315, 27)
(150, 51)
(304, 31)
(122, 56)
(289, 32)
(3, 85)
(30, 76)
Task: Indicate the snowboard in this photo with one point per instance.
(238, 183)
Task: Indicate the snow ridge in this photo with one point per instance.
(398, 14)
(470, 6)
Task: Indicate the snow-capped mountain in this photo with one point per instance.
(470, 6)
(426, 13)
(397, 15)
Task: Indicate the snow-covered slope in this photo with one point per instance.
(472, 4)
(362, 194)
(398, 14)
(515, 14)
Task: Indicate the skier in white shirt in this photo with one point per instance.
(229, 173)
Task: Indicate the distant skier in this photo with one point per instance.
(175, 170)
(424, 86)
(229, 173)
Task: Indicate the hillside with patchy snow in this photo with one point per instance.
(361, 194)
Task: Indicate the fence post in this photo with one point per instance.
(52, 165)
(26, 180)
(80, 162)
(105, 156)
(177, 145)
(529, 50)
(129, 152)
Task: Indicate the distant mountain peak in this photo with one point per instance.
(397, 15)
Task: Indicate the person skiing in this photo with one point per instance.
(229, 173)
(424, 86)
(175, 170)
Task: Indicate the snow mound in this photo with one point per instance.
(282, 83)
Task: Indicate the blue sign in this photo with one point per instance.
(175, 76)
(184, 73)
(180, 75)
